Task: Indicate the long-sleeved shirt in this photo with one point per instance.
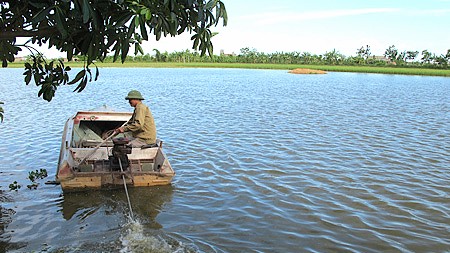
(142, 124)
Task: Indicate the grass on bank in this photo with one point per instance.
(332, 68)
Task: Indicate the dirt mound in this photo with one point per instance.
(307, 71)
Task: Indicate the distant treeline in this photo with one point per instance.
(364, 57)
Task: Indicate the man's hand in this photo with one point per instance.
(119, 130)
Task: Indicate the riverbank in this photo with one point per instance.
(332, 68)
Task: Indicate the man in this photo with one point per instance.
(141, 125)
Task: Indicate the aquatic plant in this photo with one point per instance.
(1, 112)
(32, 176)
(37, 174)
(14, 186)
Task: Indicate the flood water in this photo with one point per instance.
(266, 161)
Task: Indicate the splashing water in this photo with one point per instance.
(136, 240)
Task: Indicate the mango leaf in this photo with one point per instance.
(82, 85)
(132, 27)
(86, 11)
(143, 28)
(90, 74)
(27, 78)
(97, 73)
(223, 14)
(117, 50)
(60, 24)
(125, 48)
(211, 4)
(77, 78)
(41, 15)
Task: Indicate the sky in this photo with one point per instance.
(319, 26)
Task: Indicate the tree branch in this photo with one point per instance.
(7, 35)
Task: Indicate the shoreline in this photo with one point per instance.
(287, 67)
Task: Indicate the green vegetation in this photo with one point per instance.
(406, 70)
(92, 29)
(37, 174)
(32, 176)
(393, 62)
(14, 186)
(391, 57)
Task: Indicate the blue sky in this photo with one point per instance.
(318, 26)
(323, 25)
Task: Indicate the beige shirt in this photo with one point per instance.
(142, 124)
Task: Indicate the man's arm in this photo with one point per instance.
(138, 124)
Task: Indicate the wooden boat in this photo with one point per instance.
(87, 161)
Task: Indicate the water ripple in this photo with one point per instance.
(265, 162)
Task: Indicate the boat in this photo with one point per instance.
(90, 159)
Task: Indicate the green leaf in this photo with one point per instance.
(136, 50)
(28, 78)
(158, 35)
(60, 24)
(211, 4)
(41, 15)
(123, 19)
(210, 49)
(90, 74)
(37, 79)
(140, 49)
(70, 52)
(196, 41)
(132, 27)
(82, 85)
(143, 29)
(136, 21)
(148, 14)
(117, 50)
(77, 78)
(125, 48)
(86, 11)
(97, 73)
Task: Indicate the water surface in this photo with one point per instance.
(266, 162)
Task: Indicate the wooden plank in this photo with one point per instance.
(82, 182)
(151, 180)
(147, 153)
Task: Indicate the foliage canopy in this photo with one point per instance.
(95, 28)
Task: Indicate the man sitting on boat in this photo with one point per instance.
(141, 125)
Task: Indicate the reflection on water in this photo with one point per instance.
(266, 162)
(139, 235)
(5, 218)
(146, 203)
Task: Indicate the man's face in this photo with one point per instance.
(133, 102)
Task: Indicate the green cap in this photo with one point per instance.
(134, 94)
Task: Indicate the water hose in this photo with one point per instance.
(126, 189)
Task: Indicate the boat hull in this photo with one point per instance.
(85, 158)
(112, 180)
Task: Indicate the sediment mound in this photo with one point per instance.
(307, 71)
